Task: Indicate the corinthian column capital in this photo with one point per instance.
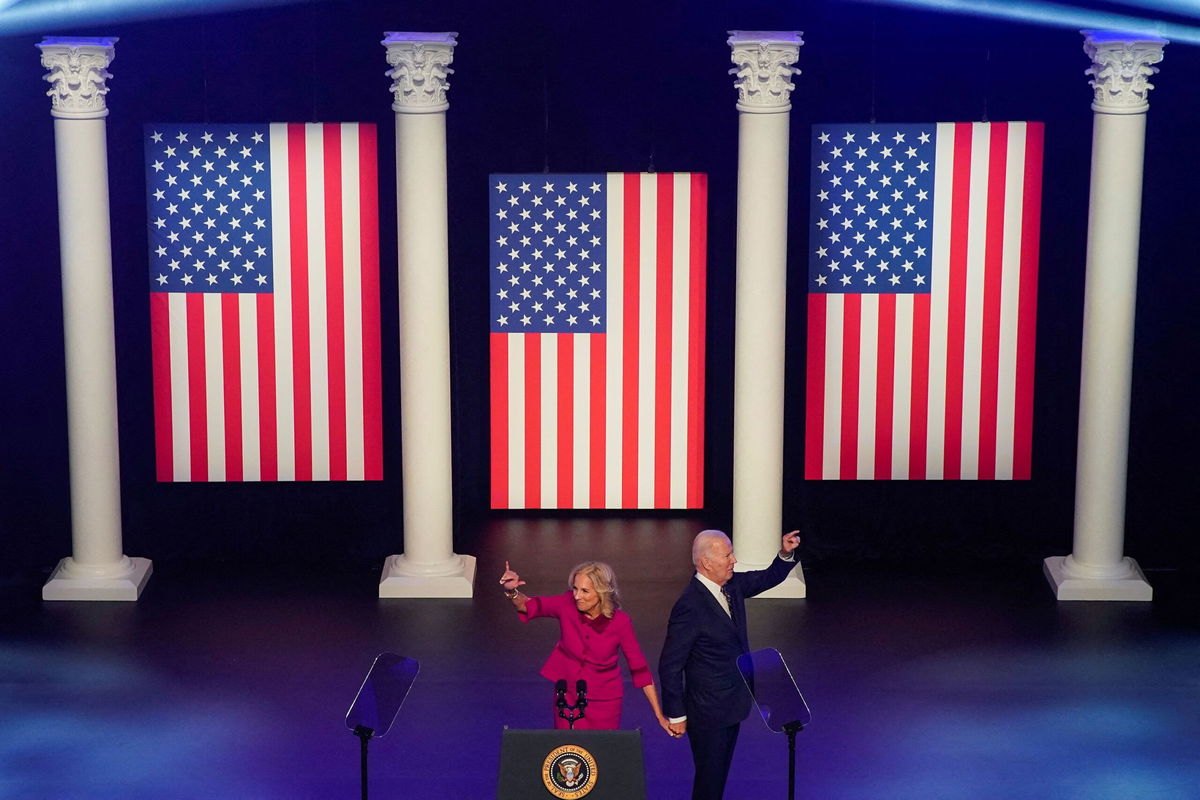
(1121, 68)
(78, 72)
(764, 69)
(420, 70)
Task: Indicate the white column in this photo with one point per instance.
(1097, 568)
(96, 569)
(763, 71)
(428, 567)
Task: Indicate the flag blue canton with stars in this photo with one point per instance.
(547, 253)
(872, 209)
(209, 208)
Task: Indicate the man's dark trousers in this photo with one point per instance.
(712, 753)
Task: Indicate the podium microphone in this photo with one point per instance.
(560, 693)
(580, 694)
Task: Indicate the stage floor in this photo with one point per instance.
(232, 681)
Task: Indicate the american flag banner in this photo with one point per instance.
(922, 281)
(597, 340)
(264, 301)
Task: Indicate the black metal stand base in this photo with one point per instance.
(364, 734)
(791, 729)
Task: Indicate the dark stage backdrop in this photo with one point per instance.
(593, 86)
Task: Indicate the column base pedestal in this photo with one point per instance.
(793, 586)
(1131, 587)
(65, 586)
(396, 583)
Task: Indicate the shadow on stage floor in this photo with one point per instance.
(227, 681)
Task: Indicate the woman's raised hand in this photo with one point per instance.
(510, 580)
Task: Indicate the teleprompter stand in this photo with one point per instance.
(378, 701)
(779, 702)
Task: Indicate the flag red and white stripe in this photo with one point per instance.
(939, 385)
(608, 419)
(283, 383)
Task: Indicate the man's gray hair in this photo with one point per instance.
(704, 542)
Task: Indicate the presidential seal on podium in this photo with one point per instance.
(569, 772)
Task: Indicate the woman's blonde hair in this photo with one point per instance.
(604, 581)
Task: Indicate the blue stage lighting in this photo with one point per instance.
(1188, 8)
(40, 16)
(1066, 16)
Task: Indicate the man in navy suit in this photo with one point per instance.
(703, 692)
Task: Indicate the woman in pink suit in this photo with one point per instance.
(592, 630)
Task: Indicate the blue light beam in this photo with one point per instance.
(1064, 16)
(40, 16)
